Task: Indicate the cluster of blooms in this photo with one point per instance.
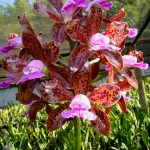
(78, 22)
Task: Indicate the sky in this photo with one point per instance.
(5, 2)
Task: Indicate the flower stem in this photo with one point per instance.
(77, 133)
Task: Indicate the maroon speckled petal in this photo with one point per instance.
(32, 45)
(82, 79)
(107, 110)
(119, 16)
(77, 58)
(61, 75)
(52, 52)
(55, 119)
(94, 20)
(53, 16)
(102, 123)
(114, 57)
(75, 32)
(35, 107)
(122, 104)
(27, 87)
(54, 92)
(138, 54)
(41, 8)
(129, 76)
(124, 85)
(28, 101)
(111, 74)
(58, 32)
(25, 23)
(14, 64)
(48, 109)
(56, 5)
(106, 95)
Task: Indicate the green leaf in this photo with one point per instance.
(86, 138)
(145, 137)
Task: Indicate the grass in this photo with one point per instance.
(128, 131)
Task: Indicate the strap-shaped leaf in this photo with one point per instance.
(54, 92)
(25, 23)
(41, 8)
(28, 101)
(56, 5)
(27, 87)
(55, 119)
(14, 64)
(61, 75)
(124, 85)
(106, 95)
(94, 20)
(122, 104)
(52, 52)
(34, 108)
(117, 31)
(82, 79)
(75, 32)
(129, 76)
(32, 45)
(102, 123)
(58, 32)
(77, 58)
(114, 57)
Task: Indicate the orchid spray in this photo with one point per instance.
(73, 88)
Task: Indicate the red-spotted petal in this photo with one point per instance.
(82, 79)
(53, 16)
(122, 104)
(129, 76)
(52, 52)
(75, 32)
(102, 123)
(25, 23)
(106, 94)
(34, 108)
(41, 8)
(32, 45)
(111, 74)
(118, 17)
(27, 87)
(14, 64)
(58, 32)
(55, 119)
(54, 92)
(61, 75)
(94, 20)
(138, 54)
(77, 58)
(107, 110)
(48, 109)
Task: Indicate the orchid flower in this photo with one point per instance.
(103, 4)
(100, 42)
(80, 105)
(128, 99)
(14, 44)
(132, 32)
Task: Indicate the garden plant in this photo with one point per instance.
(71, 93)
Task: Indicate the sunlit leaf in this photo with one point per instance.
(75, 32)
(55, 119)
(34, 108)
(54, 92)
(94, 20)
(82, 79)
(52, 52)
(129, 76)
(122, 104)
(106, 94)
(61, 75)
(27, 87)
(58, 32)
(13, 64)
(102, 123)
(32, 45)
(77, 58)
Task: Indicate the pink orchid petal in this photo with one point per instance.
(34, 66)
(140, 65)
(107, 67)
(69, 8)
(25, 113)
(80, 101)
(5, 84)
(128, 99)
(30, 76)
(132, 32)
